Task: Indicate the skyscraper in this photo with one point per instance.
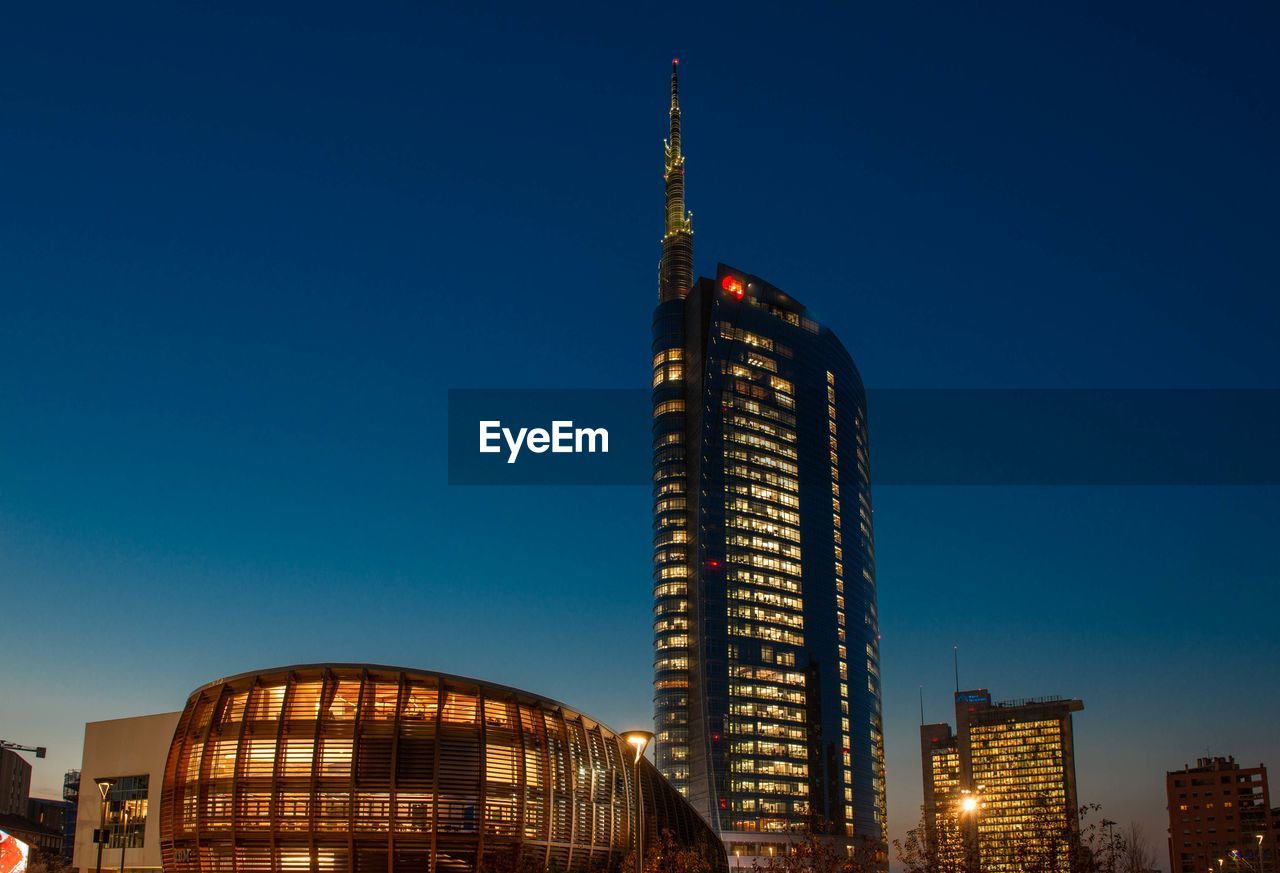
(1012, 794)
(766, 668)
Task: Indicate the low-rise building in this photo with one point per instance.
(1220, 813)
(354, 768)
(127, 757)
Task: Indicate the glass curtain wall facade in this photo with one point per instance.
(767, 681)
(351, 768)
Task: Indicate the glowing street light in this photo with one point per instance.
(970, 802)
(100, 835)
(639, 740)
(969, 806)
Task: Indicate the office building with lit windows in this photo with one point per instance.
(1002, 789)
(767, 685)
(940, 756)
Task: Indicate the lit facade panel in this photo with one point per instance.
(1021, 768)
(347, 769)
(671, 540)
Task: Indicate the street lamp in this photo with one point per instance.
(124, 831)
(638, 740)
(1260, 867)
(1239, 858)
(969, 805)
(100, 835)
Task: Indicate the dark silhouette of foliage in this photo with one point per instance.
(813, 851)
(665, 855)
(1049, 846)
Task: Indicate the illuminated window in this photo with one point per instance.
(126, 811)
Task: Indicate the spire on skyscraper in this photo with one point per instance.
(675, 272)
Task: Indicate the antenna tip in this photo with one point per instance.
(675, 62)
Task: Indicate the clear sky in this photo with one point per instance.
(244, 254)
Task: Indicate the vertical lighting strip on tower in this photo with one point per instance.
(670, 493)
(765, 729)
(842, 647)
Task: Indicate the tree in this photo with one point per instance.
(1137, 855)
(938, 849)
(1043, 845)
(46, 861)
(665, 855)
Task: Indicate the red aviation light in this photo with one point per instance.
(734, 287)
(713, 564)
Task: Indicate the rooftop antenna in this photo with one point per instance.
(675, 270)
(955, 659)
(921, 706)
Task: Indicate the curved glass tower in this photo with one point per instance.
(766, 667)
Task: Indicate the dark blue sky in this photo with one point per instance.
(243, 255)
